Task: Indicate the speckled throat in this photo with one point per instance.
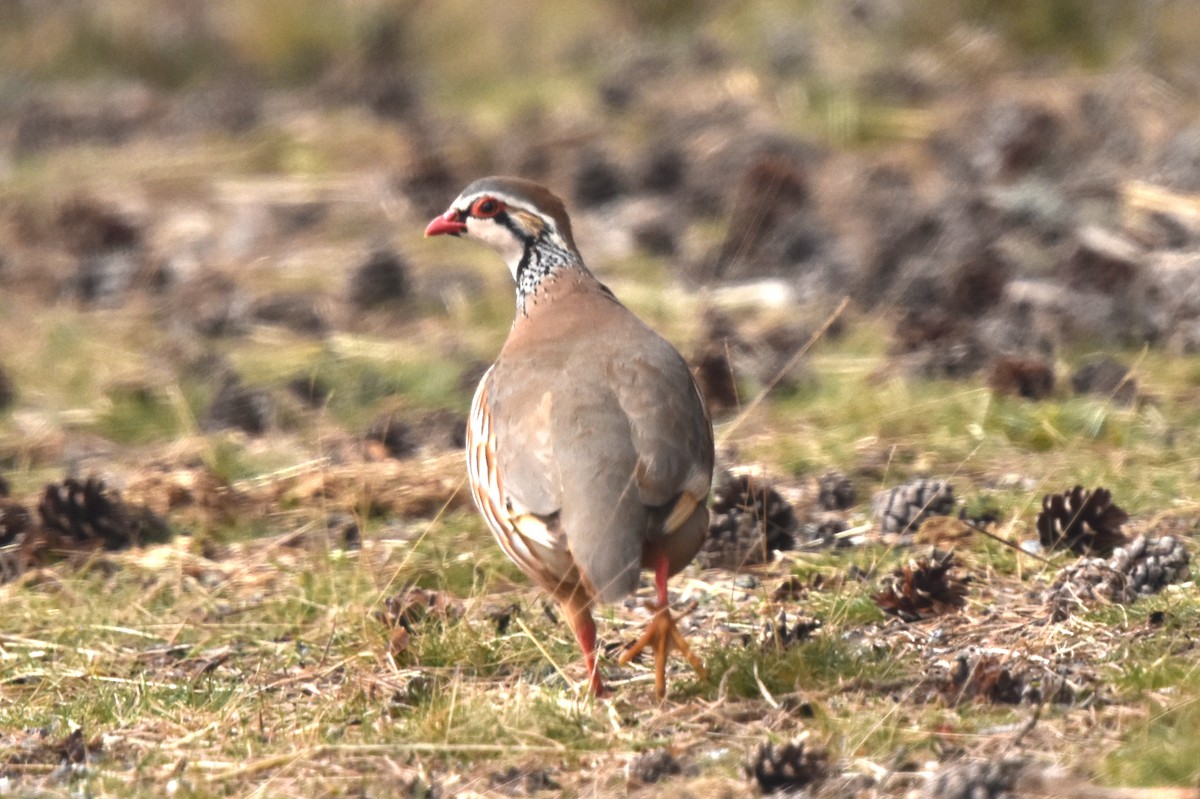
(543, 258)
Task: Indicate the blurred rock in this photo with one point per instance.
(662, 169)
(1109, 127)
(1104, 261)
(180, 244)
(771, 196)
(718, 385)
(428, 182)
(241, 407)
(86, 114)
(1035, 205)
(635, 70)
(232, 105)
(1174, 296)
(790, 51)
(312, 390)
(1030, 377)
(1107, 377)
(976, 284)
(596, 179)
(937, 344)
(87, 226)
(379, 73)
(1017, 137)
(1030, 318)
(1178, 165)
(1159, 230)
(835, 491)
(527, 781)
(442, 429)
(297, 312)
(212, 304)
(104, 278)
(655, 237)
(106, 241)
(380, 280)
(471, 375)
(393, 435)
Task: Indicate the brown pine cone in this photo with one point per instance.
(89, 512)
(788, 767)
(923, 588)
(750, 519)
(1086, 522)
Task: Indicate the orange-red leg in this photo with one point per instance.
(580, 615)
(662, 633)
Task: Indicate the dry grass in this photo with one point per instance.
(250, 657)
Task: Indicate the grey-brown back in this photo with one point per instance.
(597, 419)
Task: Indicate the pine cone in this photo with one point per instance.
(983, 677)
(993, 779)
(1152, 563)
(652, 765)
(411, 606)
(395, 436)
(902, 509)
(780, 633)
(749, 520)
(835, 491)
(788, 767)
(1013, 679)
(718, 385)
(923, 588)
(1029, 377)
(516, 781)
(91, 513)
(20, 540)
(1144, 567)
(14, 520)
(240, 407)
(1082, 521)
(827, 532)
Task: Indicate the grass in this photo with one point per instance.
(270, 666)
(271, 662)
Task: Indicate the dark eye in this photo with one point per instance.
(486, 206)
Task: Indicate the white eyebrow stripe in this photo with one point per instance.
(469, 200)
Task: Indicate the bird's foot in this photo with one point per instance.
(661, 635)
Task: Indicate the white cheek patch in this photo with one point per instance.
(500, 238)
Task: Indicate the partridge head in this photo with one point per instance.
(589, 448)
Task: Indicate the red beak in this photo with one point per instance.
(447, 223)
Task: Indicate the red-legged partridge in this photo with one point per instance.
(589, 448)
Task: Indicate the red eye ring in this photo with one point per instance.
(486, 207)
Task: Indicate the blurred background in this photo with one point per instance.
(211, 212)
